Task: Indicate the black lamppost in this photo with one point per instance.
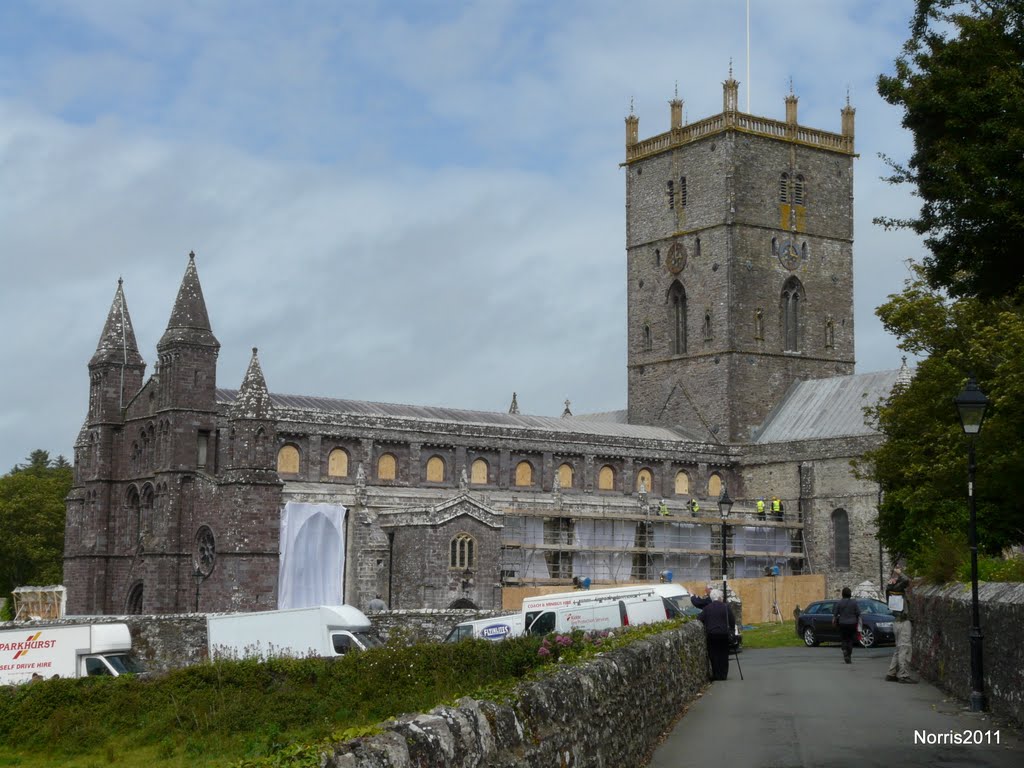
(970, 405)
(724, 508)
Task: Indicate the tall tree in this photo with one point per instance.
(922, 464)
(960, 82)
(32, 522)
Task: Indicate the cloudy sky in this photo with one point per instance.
(415, 202)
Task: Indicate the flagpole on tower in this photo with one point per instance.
(748, 57)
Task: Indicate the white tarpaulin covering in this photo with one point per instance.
(312, 555)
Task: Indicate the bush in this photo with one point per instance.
(1009, 569)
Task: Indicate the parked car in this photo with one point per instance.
(814, 623)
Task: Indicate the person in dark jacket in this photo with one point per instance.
(702, 602)
(719, 626)
(846, 615)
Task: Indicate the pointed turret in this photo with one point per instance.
(253, 401)
(117, 342)
(513, 408)
(116, 368)
(189, 323)
(253, 432)
(188, 350)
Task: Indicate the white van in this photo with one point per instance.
(70, 650)
(675, 597)
(324, 630)
(601, 608)
(496, 628)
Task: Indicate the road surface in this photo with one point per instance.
(804, 707)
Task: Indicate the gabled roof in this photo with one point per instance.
(578, 425)
(820, 409)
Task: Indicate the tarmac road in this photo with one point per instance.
(805, 707)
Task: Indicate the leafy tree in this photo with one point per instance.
(922, 466)
(32, 521)
(960, 81)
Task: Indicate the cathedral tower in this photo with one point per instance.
(739, 246)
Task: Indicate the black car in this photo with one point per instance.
(814, 624)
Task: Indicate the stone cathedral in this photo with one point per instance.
(739, 260)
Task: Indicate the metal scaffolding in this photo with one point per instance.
(613, 543)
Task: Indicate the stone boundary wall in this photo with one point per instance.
(610, 711)
(941, 641)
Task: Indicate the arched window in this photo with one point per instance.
(792, 298)
(461, 554)
(671, 195)
(288, 460)
(798, 190)
(337, 463)
(387, 467)
(830, 333)
(524, 474)
(758, 323)
(677, 317)
(435, 469)
(803, 251)
(714, 486)
(565, 476)
(606, 479)
(478, 472)
(644, 477)
(134, 508)
(682, 192)
(657, 257)
(784, 188)
(146, 500)
(841, 538)
(775, 247)
(696, 248)
(133, 605)
(682, 483)
(707, 326)
(647, 338)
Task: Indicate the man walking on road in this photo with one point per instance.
(896, 596)
(846, 615)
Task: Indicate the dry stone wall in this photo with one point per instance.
(941, 641)
(608, 712)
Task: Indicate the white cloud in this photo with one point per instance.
(415, 203)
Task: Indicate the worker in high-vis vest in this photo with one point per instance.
(760, 508)
(776, 507)
(694, 506)
(663, 509)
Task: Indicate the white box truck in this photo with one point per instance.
(324, 630)
(496, 628)
(70, 650)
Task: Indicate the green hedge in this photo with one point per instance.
(256, 711)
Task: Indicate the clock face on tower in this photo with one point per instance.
(789, 255)
(675, 260)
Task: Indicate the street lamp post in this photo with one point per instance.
(970, 405)
(724, 508)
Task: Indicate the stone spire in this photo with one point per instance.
(189, 323)
(253, 401)
(514, 407)
(903, 377)
(117, 342)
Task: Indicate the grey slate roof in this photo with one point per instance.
(584, 426)
(825, 408)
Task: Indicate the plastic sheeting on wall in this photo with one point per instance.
(312, 565)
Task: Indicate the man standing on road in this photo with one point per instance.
(896, 595)
(719, 626)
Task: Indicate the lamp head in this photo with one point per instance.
(970, 406)
(725, 502)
